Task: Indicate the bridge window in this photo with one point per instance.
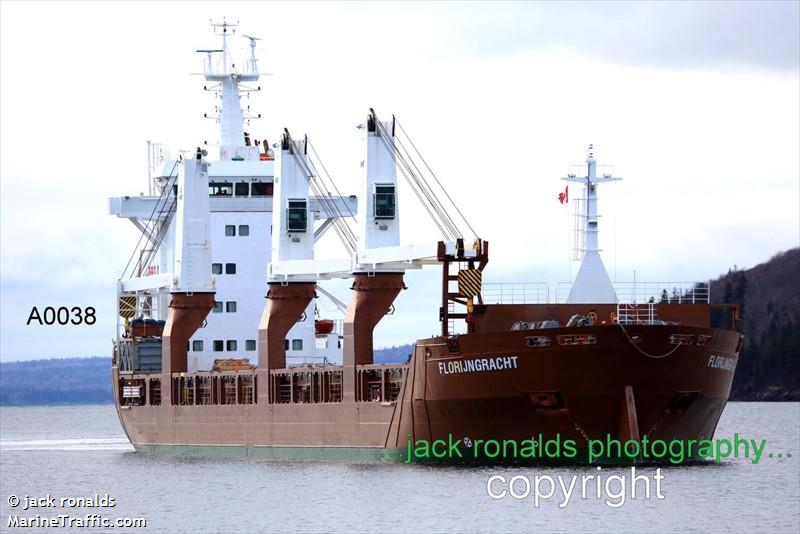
(230, 268)
(230, 346)
(218, 345)
(385, 201)
(261, 189)
(230, 306)
(197, 345)
(216, 268)
(250, 344)
(244, 230)
(242, 189)
(230, 230)
(297, 216)
(220, 189)
(217, 307)
(286, 344)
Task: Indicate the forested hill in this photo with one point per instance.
(56, 381)
(768, 296)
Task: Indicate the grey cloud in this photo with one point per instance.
(682, 35)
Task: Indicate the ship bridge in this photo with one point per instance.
(240, 186)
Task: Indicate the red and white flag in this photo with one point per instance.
(564, 197)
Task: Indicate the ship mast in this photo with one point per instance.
(592, 284)
(221, 68)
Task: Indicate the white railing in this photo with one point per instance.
(522, 293)
(562, 292)
(651, 292)
(636, 313)
(664, 292)
(217, 64)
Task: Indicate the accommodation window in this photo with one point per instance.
(216, 268)
(220, 189)
(384, 204)
(297, 216)
(244, 230)
(230, 230)
(230, 306)
(231, 345)
(242, 189)
(297, 344)
(218, 345)
(197, 345)
(217, 307)
(230, 268)
(250, 344)
(261, 189)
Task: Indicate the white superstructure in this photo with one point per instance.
(241, 197)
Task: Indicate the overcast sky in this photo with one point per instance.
(697, 106)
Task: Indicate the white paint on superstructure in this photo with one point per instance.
(380, 222)
(238, 194)
(293, 231)
(192, 240)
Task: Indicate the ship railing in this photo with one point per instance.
(636, 313)
(651, 292)
(663, 292)
(516, 293)
(217, 65)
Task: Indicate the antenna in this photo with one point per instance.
(224, 25)
(253, 40)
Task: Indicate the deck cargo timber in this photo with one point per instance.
(285, 383)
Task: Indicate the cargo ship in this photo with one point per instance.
(222, 346)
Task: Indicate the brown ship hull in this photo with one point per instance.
(584, 383)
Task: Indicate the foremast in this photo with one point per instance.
(592, 283)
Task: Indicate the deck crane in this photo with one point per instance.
(377, 260)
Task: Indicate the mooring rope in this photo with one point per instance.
(655, 357)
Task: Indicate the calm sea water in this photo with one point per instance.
(81, 451)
